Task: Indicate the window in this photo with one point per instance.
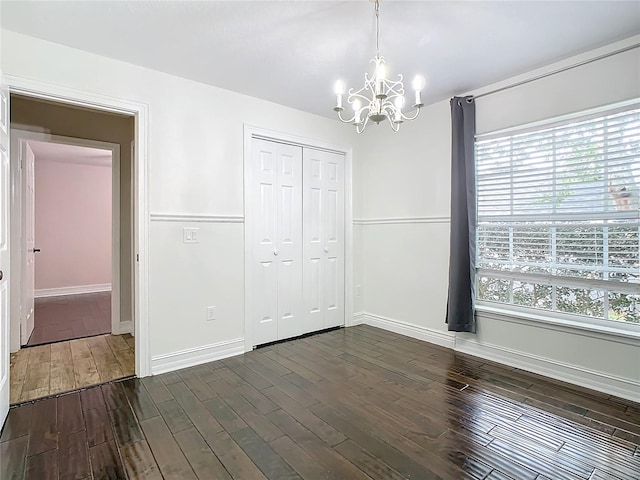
(559, 218)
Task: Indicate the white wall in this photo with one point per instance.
(195, 168)
(405, 185)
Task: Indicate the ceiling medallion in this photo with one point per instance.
(380, 98)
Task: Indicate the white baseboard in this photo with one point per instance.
(618, 386)
(430, 335)
(196, 356)
(612, 385)
(78, 290)
(358, 319)
(123, 327)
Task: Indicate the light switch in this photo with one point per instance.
(190, 235)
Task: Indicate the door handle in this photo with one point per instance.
(326, 249)
(1, 274)
(36, 250)
(275, 252)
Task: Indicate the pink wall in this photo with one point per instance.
(72, 224)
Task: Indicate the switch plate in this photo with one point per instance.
(190, 235)
(211, 313)
(358, 290)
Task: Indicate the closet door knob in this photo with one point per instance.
(275, 252)
(326, 249)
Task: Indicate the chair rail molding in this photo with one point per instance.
(401, 220)
(196, 217)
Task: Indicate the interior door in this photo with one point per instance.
(289, 250)
(4, 253)
(28, 161)
(334, 240)
(323, 200)
(262, 220)
(275, 223)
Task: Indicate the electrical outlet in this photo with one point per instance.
(358, 290)
(211, 313)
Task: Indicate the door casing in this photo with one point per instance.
(140, 111)
(254, 132)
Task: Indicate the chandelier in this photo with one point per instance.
(380, 98)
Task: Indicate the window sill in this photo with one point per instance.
(630, 336)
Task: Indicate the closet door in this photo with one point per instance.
(289, 247)
(274, 227)
(323, 206)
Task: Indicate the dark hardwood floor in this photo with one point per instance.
(357, 403)
(71, 316)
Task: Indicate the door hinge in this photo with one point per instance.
(137, 257)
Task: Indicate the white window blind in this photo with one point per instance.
(559, 217)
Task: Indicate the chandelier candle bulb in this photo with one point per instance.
(380, 77)
(418, 99)
(399, 102)
(339, 90)
(418, 86)
(356, 111)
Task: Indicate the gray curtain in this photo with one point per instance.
(461, 298)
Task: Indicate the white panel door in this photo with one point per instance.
(27, 159)
(289, 254)
(275, 223)
(262, 220)
(334, 240)
(323, 250)
(313, 255)
(4, 254)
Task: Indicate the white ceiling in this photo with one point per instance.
(60, 152)
(291, 52)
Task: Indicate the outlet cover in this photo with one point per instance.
(211, 313)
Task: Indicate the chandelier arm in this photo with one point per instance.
(395, 126)
(354, 95)
(344, 120)
(361, 126)
(412, 117)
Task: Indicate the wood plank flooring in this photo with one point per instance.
(357, 403)
(70, 316)
(44, 370)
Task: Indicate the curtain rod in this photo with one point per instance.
(560, 70)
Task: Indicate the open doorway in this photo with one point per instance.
(72, 248)
(70, 223)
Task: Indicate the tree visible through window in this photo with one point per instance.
(558, 216)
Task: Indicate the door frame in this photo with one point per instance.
(18, 213)
(140, 195)
(251, 132)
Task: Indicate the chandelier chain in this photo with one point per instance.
(378, 28)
